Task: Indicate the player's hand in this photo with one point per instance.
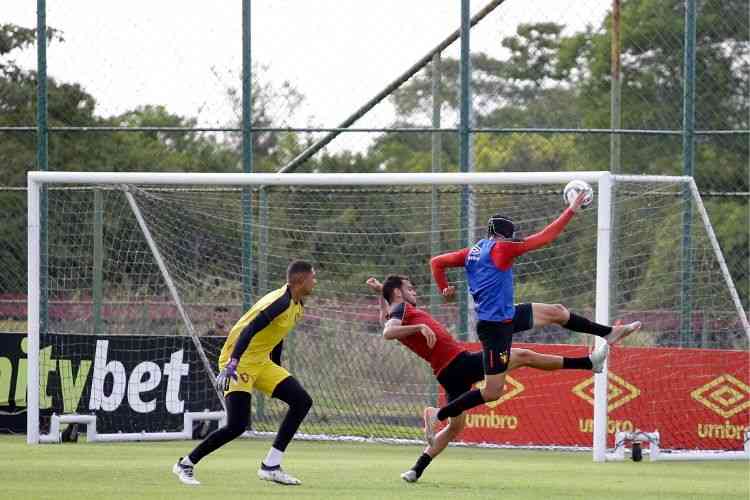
(576, 204)
(227, 374)
(375, 285)
(449, 293)
(428, 335)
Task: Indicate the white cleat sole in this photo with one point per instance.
(624, 332)
(598, 357)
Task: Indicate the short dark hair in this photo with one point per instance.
(221, 309)
(297, 267)
(393, 282)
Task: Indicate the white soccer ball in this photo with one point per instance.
(573, 188)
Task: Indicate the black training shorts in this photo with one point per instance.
(463, 372)
(497, 337)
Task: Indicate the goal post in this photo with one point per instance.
(173, 251)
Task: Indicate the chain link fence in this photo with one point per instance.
(540, 97)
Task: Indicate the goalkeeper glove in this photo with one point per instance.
(227, 374)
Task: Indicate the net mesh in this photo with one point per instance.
(111, 319)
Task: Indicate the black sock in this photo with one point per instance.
(466, 401)
(577, 363)
(580, 324)
(422, 462)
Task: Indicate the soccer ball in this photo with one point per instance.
(573, 188)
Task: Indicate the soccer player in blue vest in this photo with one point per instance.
(489, 272)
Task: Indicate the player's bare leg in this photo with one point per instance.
(439, 443)
(550, 362)
(558, 314)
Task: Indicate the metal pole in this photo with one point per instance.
(247, 159)
(464, 158)
(33, 195)
(424, 61)
(615, 102)
(603, 223)
(615, 149)
(247, 167)
(98, 284)
(688, 158)
(437, 147)
(42, 156)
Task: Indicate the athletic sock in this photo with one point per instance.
(577, 363)
(580, 324)
(273, 458)
(422, 462)
(466, 401)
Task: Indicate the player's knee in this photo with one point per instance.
(520, 357)
(456, 425)
(235, 429)
(305, 401)
(302, 402)
(492, 393)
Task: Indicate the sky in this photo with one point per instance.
(336, 53)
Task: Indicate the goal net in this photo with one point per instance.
(131, 268)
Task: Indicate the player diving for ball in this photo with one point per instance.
(488, 266)
(456, 368)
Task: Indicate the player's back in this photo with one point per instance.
(283, 313)
(446, 347)
(490, 287)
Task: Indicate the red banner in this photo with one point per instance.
(695, 398)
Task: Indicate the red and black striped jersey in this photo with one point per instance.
(446, 347)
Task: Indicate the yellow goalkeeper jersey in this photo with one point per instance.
(269, 320)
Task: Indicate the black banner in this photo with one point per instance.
(131, 383)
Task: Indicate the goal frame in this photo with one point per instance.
(603, 179)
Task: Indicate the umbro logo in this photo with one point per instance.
(724, 395)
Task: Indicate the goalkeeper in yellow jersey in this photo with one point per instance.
(251, 359)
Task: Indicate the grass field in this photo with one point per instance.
(346, 470)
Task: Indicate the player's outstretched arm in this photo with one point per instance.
(438, 265)
(377, 288)
(394, 330)
(552, 231)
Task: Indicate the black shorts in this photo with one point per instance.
(464, 371)
(497, 337)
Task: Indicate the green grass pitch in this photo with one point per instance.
(349, 470)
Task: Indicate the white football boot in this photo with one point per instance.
(410, 476)
(598, 356)
(185, 473)
(620, 332)
(277, 475)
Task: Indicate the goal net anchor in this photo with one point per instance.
(637, 438)
(189, 418)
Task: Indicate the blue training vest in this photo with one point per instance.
(491, 288)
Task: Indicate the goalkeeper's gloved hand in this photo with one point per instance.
(227, 374)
